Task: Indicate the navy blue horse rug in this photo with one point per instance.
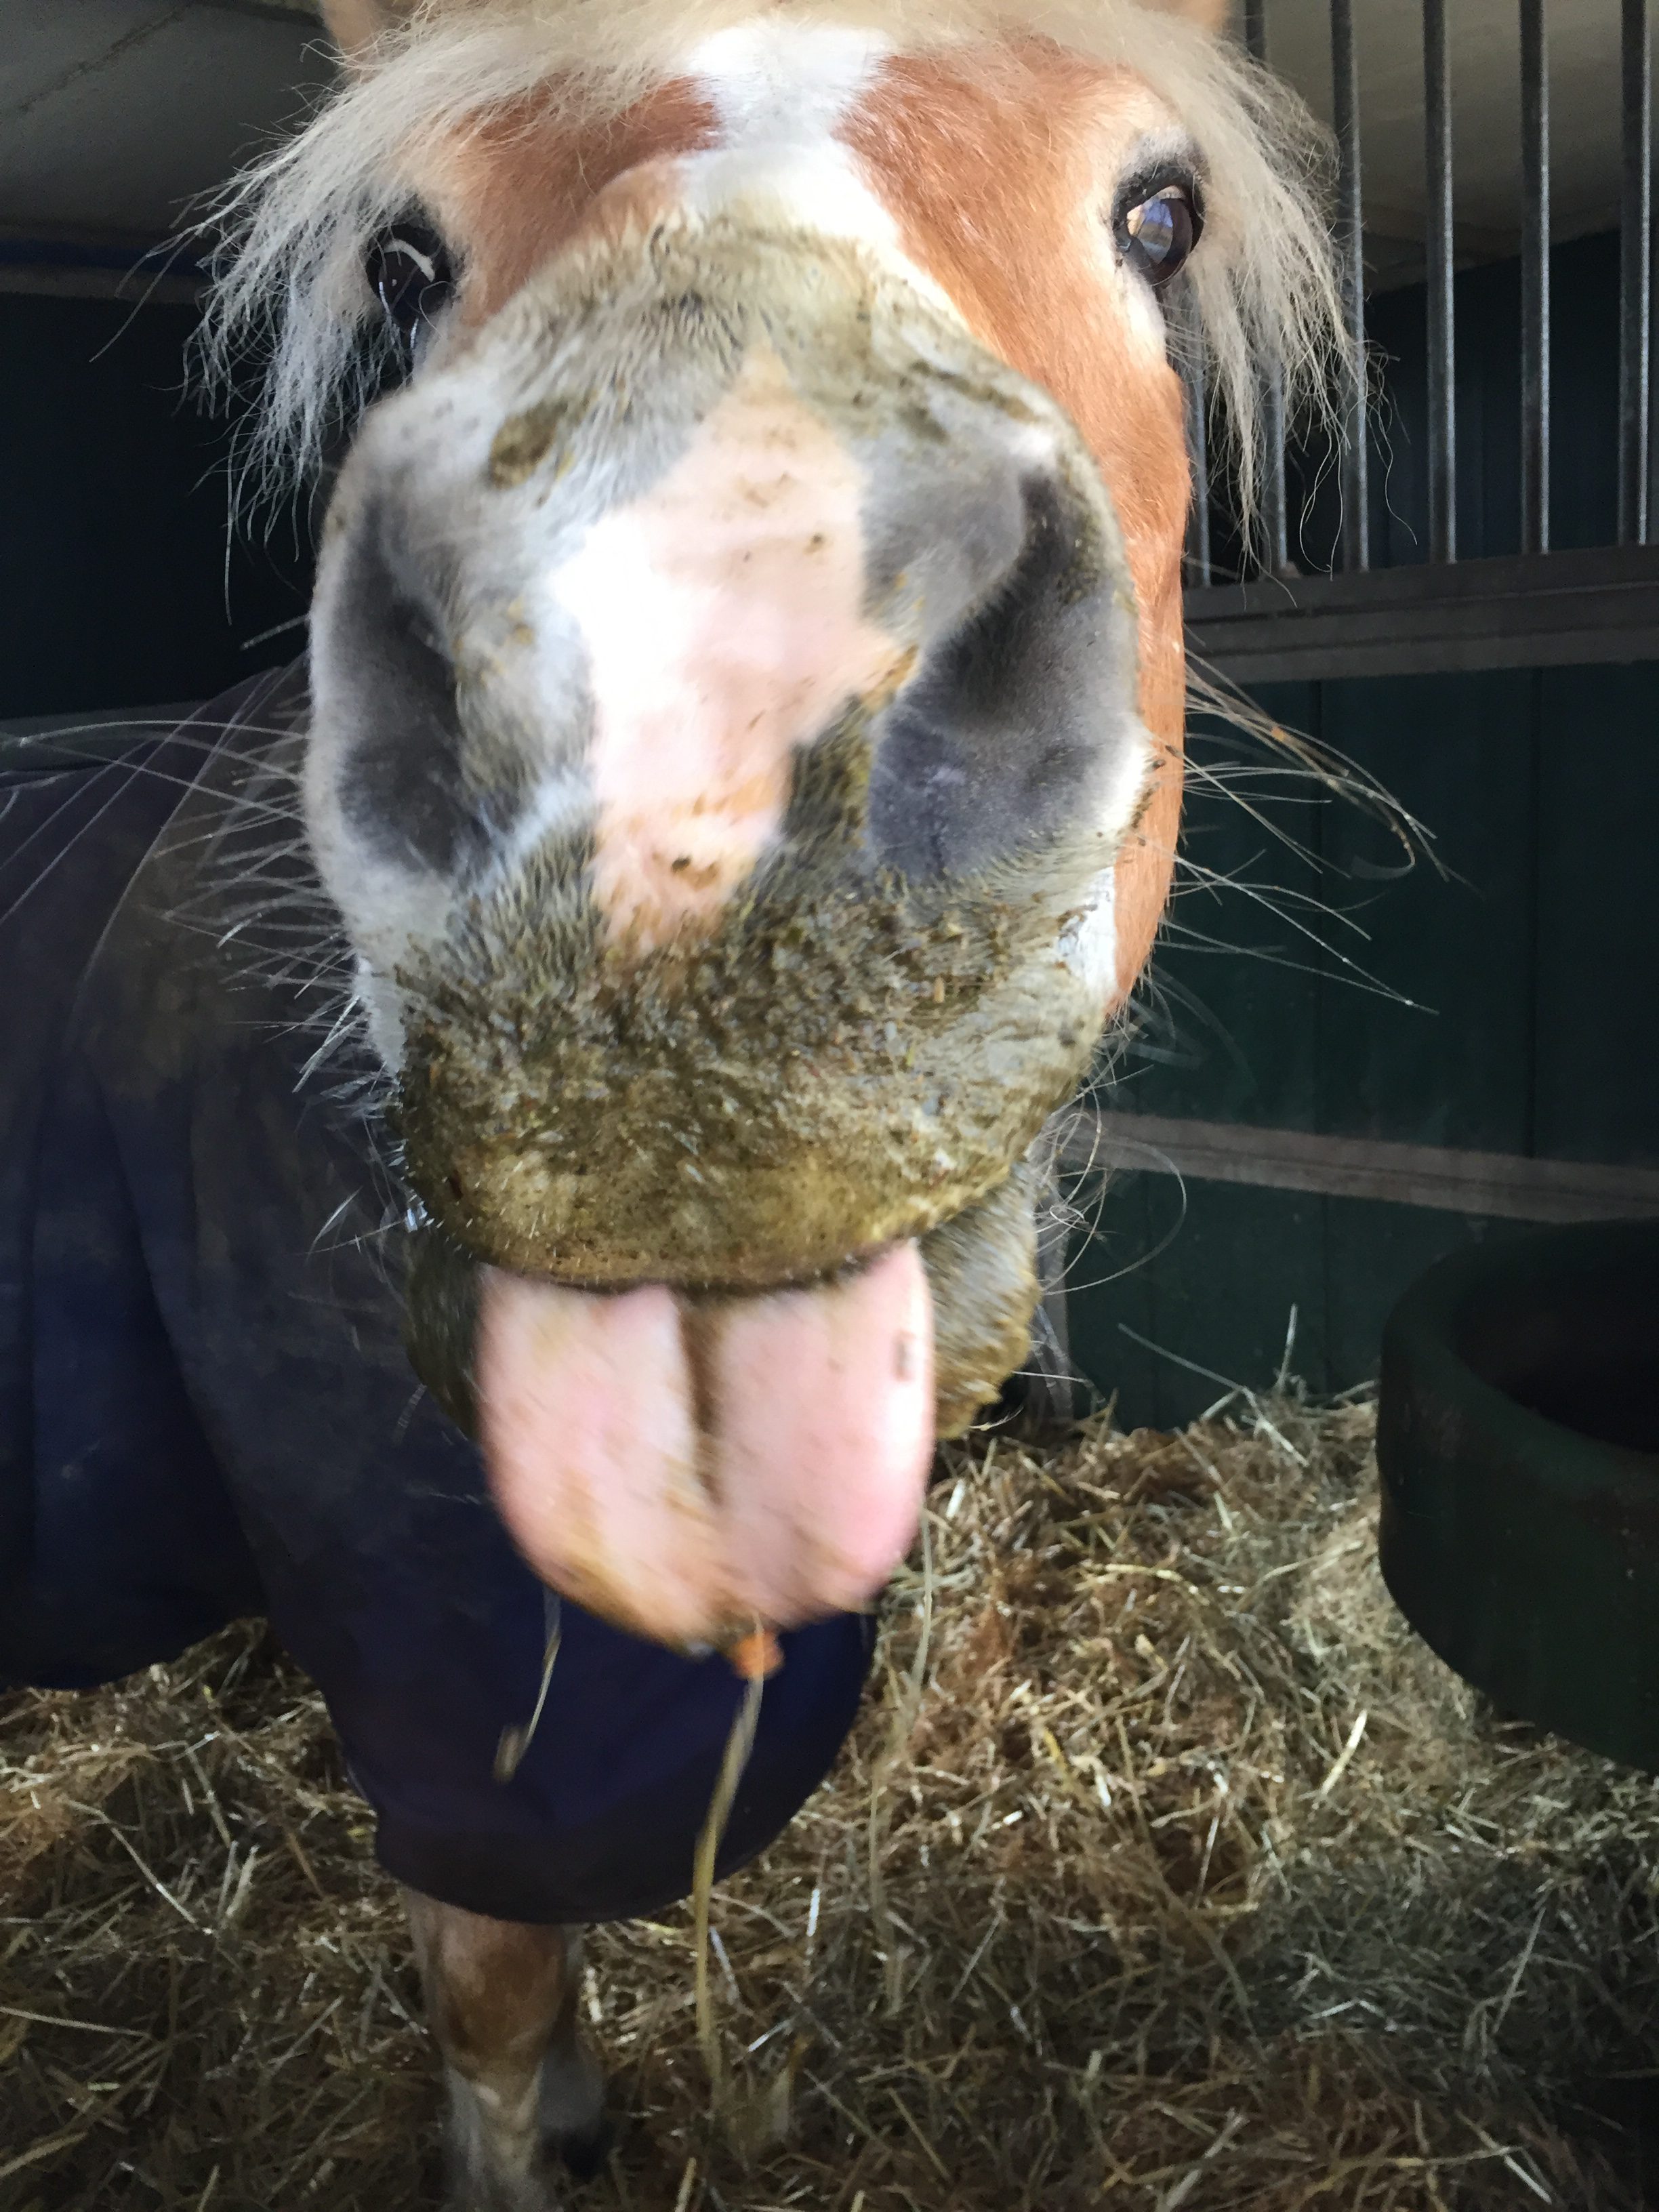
(205, 1407)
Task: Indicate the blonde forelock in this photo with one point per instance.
(297, 223)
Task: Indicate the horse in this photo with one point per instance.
(731, 792)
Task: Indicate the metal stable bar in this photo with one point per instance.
(1198, 513)
(1442, 386)
(1275, 511)
(1634, 224)
(1597, 605)
(1275, 505)
(1534, 281)
(1350, 240)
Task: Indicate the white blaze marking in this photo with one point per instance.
(722, 616)
(779, 83)
(781, 91)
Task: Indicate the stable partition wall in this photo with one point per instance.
(1495, 1009)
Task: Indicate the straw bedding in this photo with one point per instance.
(1165, 1870)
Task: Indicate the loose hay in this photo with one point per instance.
(1188, 1879)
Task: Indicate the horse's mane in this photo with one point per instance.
(296, 223)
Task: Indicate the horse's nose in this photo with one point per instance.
(633, 628)
(655, 687)
(726, 718)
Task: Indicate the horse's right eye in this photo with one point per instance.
(410, 272)
(1156, 235)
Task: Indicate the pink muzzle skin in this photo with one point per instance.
(691, 1472)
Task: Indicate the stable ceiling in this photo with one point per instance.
(1483, 38)
(116, 114)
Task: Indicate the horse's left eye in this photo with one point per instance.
(410, 272)
(1156, 235)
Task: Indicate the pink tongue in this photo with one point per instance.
(687, 1475)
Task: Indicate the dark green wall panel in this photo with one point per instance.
(1362, 995)
(1526, 1020)
(1219, 1295)
(1448, 1061)
(1373, 1251)
(1229, 1031)
(119, 580)
(1112, 1278)
(1597, 1063)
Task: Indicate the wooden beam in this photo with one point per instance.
(1533, 610)
(1500, 1186)
(303, 10)
(86, 264)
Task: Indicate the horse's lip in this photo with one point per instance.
(856, 1263)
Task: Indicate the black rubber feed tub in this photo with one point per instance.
(1518, 1443)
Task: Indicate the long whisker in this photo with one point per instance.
(64, 850)
(1209, 693)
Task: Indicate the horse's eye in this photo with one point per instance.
(1156, 235)
(408, 271)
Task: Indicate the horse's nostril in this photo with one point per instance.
(416, 631)
(1022, 710)
(389, 680)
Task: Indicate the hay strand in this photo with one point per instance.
(734, 1760)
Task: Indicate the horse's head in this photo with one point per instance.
(748, 694)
